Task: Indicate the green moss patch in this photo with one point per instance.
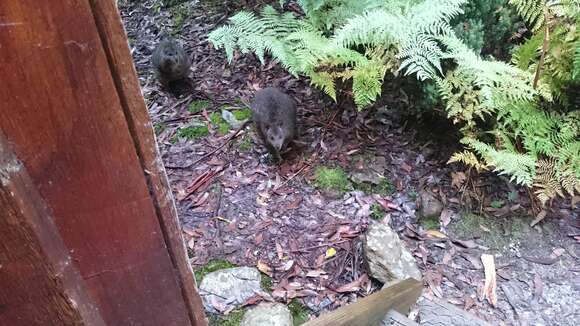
(495, 233)
(377, 212)
(219, 123)
(180, 15)
(159, 128)
(234, 318)
(193, 132)
(331, 179)
(198, 106)
(429, 223)
(384, 187)
(266, 283)
(299, 312)
(242, 114)
(211, 266)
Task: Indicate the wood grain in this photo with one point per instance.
(371, 310)
(61, 110)
(124, 74)
(38, 284)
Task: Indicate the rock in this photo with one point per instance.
(430, 206)
(229, 287)
(268, 314)
(386, 255)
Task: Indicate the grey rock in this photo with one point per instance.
(220, 290)
(268, 314)
(430, 206)
(387, 257)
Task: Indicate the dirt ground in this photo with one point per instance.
(234, 205)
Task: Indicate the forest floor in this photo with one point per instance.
(235, 206)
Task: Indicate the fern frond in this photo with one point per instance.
(532, 11)
(468, 158)
(325, 82)
(520, 167)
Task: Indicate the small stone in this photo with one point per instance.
(386, 255)
(220, 290)
(430, 206)
(268, 314)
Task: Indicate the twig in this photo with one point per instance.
(230, 138)
(319, 246)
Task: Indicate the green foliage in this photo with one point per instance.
(242, 114)
(193, 132)
(486, 26)
(180, 13)
(211, 266)
(384, 187)
(299, 312)
(159, 128)
(245, 144)
(506, 111)
(429, 223)
(217, 121)
(233, 318)
(377, 212)
(533, 143)
(360, 41)
(497, 204)
(266, 283)
(331, 179)
(198, 106)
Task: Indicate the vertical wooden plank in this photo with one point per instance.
(61, 111)
(125, 76)
(38, 284)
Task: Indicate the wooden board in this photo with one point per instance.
(39, 285)
(124, 75)
(68, 108)
(371, 310)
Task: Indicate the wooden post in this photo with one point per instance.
(71, 109)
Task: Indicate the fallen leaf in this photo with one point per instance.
(469, 244)
(538, 286)
(264, 268)
(330, 252)
(489, 288)
(541, 260)
(457, 179)
(436, 234)
(558, 252)
(279, 251)
(288, 265)
(473, 260)
(295, 204)
(446, 216)
(258, 238)
(353, 286)
(575, 200)
(315, 273)
(539, 218)
(447, 258)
